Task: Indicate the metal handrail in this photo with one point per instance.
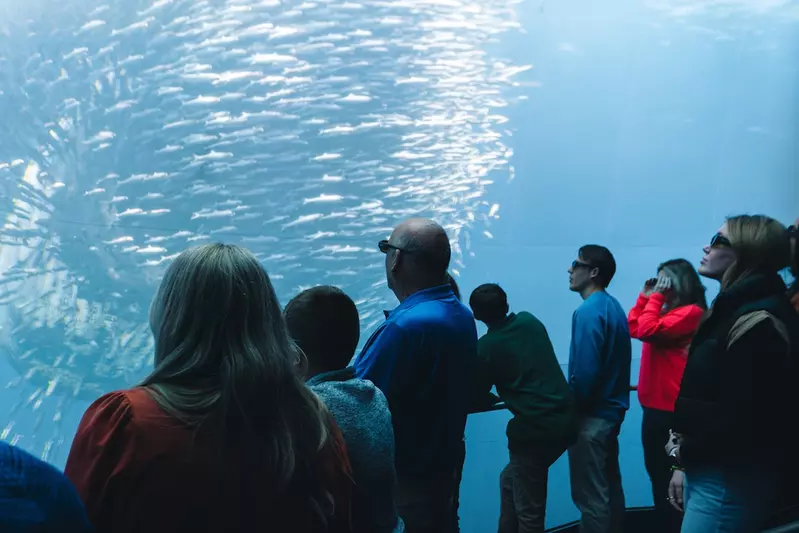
(499, 406)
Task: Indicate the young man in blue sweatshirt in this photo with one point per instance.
(599, 378)
(323, 322)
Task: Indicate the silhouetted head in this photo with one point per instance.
(417, 257)
(743, 245)
(489, 303)
(687, 288)
(323, 322)
(454, 286)
(592, 271)
(224, 363)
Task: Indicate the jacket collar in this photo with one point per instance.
(439, 292)
(756, 286)
(502, 323)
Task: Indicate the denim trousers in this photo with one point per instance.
(596, 477)
(728, 499)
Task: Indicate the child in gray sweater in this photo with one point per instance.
(324, 323)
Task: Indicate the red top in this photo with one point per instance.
(138, 469)
(666, 337)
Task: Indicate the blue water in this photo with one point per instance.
(306, 130)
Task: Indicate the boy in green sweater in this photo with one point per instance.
(517, 357)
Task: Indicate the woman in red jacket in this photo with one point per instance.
(665, 318)
(223, 435)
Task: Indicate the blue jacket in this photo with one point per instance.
(423, 358)
(361, 411)
(600, 357)
(35, 497)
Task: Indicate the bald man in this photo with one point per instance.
(423, 358)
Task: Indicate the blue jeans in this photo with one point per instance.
(595, 476)
(732, 499)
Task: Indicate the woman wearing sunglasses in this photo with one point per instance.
(665, 318)
(734, 413)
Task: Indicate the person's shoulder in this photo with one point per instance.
(120, 408)
(692, 311)
(595, 304)
(759, 324)
(527, 317)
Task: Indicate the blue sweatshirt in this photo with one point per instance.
(35, 497)
(423, 358)
(599, 358)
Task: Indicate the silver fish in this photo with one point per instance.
(303, 130)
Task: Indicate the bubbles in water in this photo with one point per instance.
(301, 130)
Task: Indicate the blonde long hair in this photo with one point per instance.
(760, 244)
(224, 361)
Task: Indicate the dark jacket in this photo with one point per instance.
(517, 356)
(738, 394)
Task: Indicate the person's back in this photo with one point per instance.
(361, 411)
(159, 474)
(529, 380)
(35, 497)
(517, 357)
(422, 358)
(324, 323)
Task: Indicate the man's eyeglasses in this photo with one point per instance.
(384, 246)
(580, 264)
(720, 240)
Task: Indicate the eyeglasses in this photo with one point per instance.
(720, 240)
(580, 264)
(384, 246)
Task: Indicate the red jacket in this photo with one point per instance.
(666, 337)
(138, 470)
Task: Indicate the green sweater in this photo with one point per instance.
(517, 357)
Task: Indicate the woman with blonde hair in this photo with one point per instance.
(732, 418)
(223, 435)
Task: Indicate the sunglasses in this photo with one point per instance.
(384, 246)
(580, 264)
(720, 240)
